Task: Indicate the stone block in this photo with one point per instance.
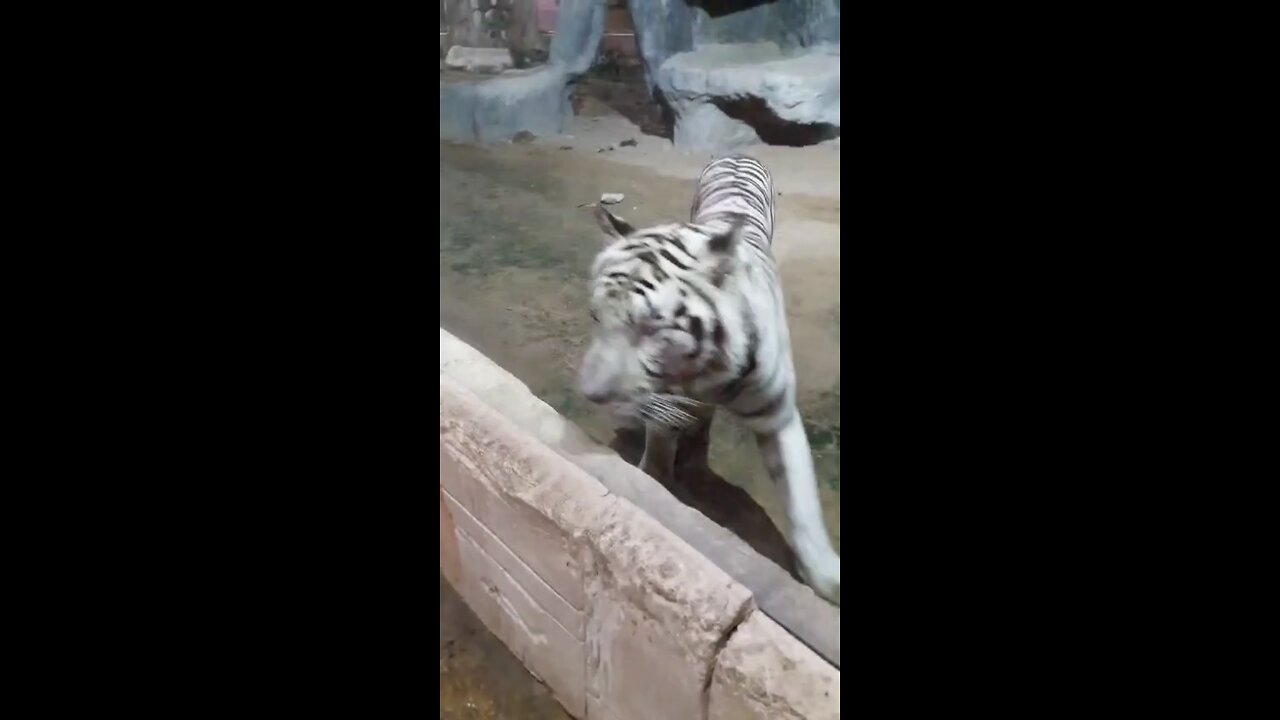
(530, 529)
(544, 647)
(450, 564)
(659, 613)
(569, 617)
(494, 472)
(763, 673)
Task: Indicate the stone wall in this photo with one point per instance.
(622, 619)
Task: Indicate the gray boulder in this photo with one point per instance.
(579, 27)
(535, 101)
(727, 96)
(667, 27)
(790, 23)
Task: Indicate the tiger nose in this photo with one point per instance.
(598, 396)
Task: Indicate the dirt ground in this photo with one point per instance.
(514, 254)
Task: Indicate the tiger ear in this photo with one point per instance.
(723, 247)
(726, 241)
(614, 227)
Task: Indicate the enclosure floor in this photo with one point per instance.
(515, 252)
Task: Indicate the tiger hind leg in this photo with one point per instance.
(788, 459)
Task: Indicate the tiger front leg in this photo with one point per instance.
(695, 441)
(658, 461)
(790, 464)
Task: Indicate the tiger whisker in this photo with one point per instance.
(678, 399)
(664, 409)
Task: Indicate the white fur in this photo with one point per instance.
(623, 345)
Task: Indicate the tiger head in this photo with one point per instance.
(657, 302)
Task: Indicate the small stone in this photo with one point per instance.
(566, 147)
(611, 198)
(524, 136)
(628, 143)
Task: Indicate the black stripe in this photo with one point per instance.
(771, 453)
(672, 259)
(676, 241)
(697, 291)
(777, 370)
(653, 311)
(770, 407)
(695, 328)
(720, 243)
(756, 202)
(734, 387)
(644, 282)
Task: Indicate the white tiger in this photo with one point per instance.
(689, 316)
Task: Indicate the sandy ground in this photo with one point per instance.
(813, 171)
(515, 250)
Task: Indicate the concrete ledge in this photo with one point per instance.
(792, 604)
(762, 674)
(538, 544)
(619, 616)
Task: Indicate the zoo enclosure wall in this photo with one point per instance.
(620, 617)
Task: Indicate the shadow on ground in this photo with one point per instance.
(698, 486)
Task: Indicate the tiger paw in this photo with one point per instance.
(824, 578)
(662, 472)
